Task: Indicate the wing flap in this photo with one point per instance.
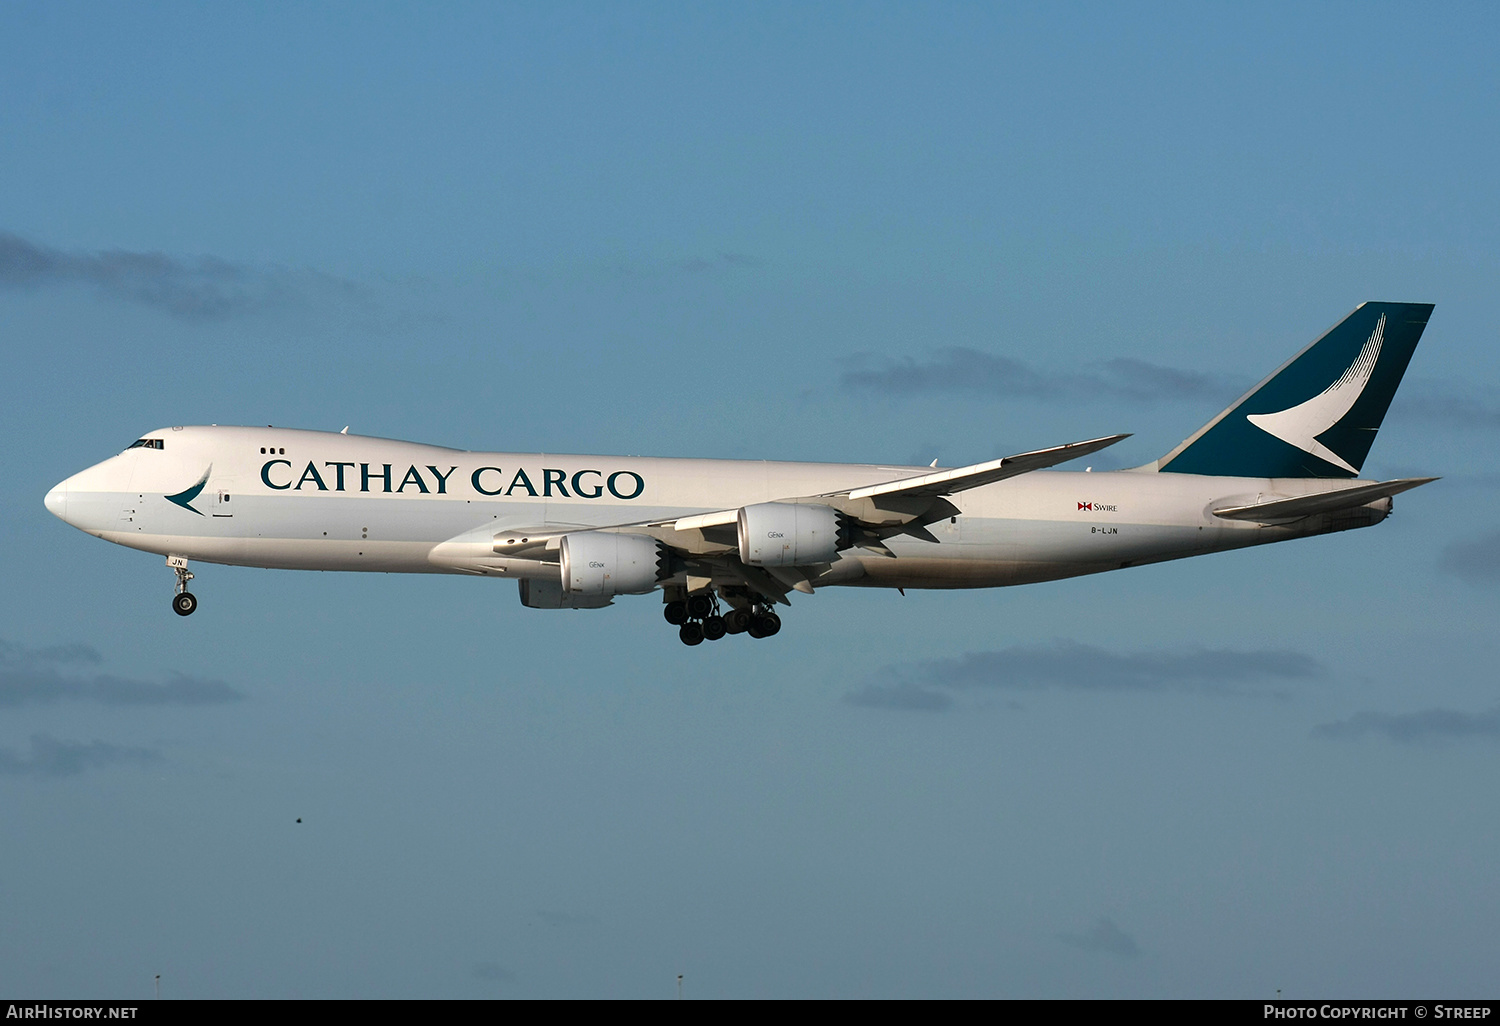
(1319, 502)
(722, 518)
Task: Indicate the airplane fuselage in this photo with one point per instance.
(309, 500)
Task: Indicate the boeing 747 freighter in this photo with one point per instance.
(726, 541)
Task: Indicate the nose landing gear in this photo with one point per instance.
(184, 602)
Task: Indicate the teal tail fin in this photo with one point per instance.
(1318, 414)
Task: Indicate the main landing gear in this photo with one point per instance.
(698, 619)
(184, 602)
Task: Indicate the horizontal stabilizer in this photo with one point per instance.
(946, 482)
(1319, 502)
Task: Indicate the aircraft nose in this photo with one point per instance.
(57, 501)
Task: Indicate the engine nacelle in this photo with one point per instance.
(789, 534)
(543, 594)
(596, 563)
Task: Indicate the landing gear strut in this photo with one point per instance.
(184, 602)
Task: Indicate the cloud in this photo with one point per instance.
(202, 288)
(1448, 404)
(903, 695)
(926, 685)
(1105, 938)
(1428, 725)
(491, 972)
(1147, 382)
(633, 268)
(73, 653)
(1477, 562)
(963, 371)
(43, 676)
(51, 757)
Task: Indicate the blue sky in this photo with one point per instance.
(716, 231)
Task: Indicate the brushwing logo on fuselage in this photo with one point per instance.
(185, 498)
(1301, 424)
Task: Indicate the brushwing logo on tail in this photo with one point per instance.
(1301, 424)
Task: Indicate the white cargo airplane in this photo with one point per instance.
(724, 541)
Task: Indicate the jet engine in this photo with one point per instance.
(596, 563)
(789, 534)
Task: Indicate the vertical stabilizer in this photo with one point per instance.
(1318, 414)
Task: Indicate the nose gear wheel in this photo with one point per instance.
(184, 602)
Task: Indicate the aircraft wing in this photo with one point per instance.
(946, 482)
(926, 486)
(1319, 502)
(707, 540)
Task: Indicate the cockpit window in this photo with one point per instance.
(147, 443)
